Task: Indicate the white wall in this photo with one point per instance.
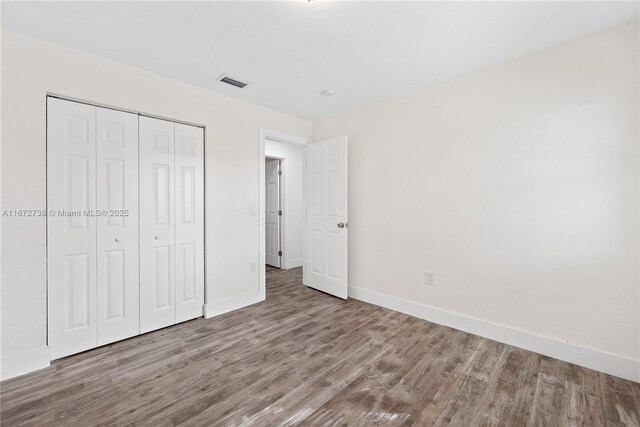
(517, 186)
(30, 69)
(291, 199)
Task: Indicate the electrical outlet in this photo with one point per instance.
(428, 278)
(252, 267)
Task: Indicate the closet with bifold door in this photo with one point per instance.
(171, 231)
(125, 224)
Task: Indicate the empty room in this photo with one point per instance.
(320, 213)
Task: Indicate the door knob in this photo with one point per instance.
(342, 225)
(117, 239)
(156, 237)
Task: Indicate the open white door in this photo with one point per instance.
(273, 212)
(326, 236)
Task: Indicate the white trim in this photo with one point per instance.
(262, 239)
(226, 305)
(600, 361)
(293, 263)
(23, 363)
(274, 135)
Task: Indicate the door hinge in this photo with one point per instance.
(279, 253)
(280, 172)
(280, 212)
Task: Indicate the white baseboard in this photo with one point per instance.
(23, 363)
(293, 263)
(597, 360)
(226, 305)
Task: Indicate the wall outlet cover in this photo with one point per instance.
(428, 278)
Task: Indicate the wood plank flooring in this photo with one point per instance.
(305, 358)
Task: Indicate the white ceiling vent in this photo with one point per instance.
(233, 81)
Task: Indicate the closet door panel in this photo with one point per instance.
(117, 249)
(71, 228)
(157, 224)
(189, 190)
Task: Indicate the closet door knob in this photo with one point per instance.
(156, 237)
(117, 239)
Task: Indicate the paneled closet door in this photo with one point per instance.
(189, 215)
(71, 183)
(117, 250)
(157, 224)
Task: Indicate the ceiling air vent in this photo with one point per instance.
(225, 78)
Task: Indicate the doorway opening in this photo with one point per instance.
(313, 200)
(281, 205)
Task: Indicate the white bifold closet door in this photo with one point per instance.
(92, 259)
(117, 247)
(189, 214)
(157, 233)
(171, 223)
(125, 228)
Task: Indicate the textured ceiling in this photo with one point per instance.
(291, 51)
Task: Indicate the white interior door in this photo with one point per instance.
(71, 183)
(272, 205)
(117, 246)
(326, 237)
(189, 221)
(157, 231)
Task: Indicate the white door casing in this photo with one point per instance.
(117, 245)
(272, 205)
(157, 231)
(189, 221)
(71, 180)
(326, 237)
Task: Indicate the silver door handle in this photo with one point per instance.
(342, 225)
(117, 239)
(156, 237)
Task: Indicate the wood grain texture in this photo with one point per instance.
(305, 358)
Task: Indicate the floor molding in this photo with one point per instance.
(226, 305)
(600, 361)
(23, 363)
(293, 263)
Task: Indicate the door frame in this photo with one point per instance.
(265, 135)
(138, 113)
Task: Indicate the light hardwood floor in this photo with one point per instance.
(306, 358)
